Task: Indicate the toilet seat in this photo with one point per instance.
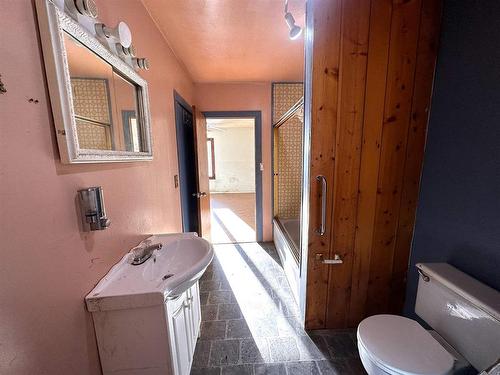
(399, 345)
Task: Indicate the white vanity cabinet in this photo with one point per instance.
(150, 340)
(147, 315)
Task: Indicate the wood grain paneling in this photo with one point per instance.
(399, 90)
(378, 55)
(374, 138)
(424, 77)
(353, 62)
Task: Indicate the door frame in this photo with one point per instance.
(306, 156)
(178, 99)
(257, 116)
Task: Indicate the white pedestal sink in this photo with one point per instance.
(147, 316)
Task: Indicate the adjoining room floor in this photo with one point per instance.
(233, 217)
(250, 321)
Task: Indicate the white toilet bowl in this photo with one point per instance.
(465, 316)
(391, 344)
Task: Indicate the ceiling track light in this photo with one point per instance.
(295, 30)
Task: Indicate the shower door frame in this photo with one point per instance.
(285, 245)
(306, 160)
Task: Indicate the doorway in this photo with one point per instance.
(235, 176)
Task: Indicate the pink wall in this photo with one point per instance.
(245, 97)
(47, 264)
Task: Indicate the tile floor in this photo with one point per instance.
(250, 321)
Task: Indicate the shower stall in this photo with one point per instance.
(288, 126)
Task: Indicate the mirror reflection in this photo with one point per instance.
(104, 102)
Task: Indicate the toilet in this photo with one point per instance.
(464, 315)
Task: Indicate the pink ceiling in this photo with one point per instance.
(232, 40)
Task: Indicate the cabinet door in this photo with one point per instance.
(181, 338)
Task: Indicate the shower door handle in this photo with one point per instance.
(324, 188)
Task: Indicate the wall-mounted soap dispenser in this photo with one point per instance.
(92, 208)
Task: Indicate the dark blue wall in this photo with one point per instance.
(458, 214)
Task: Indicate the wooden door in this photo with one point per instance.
(203, 194)
(373, 65)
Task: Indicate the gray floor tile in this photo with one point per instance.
(206, 371)
(209, 285)
(224, 285)
(289, 326)
(201, 354)
(229, 311)
(282, 293)
(213, 330)
(220, 296)
(237, 329)
(320, 343)
(338, 366)
(207, 275)
(218, 276)
(254, 351)
(264, 327)
(270, 369)
(284, 349)
(233, 299)
(341, 345)
(225, 352)
(287, 305)
(356, 366)
(302, 368)
(237, 370)
(209, 312)
(312, 348)
(258, 331)
(203, 298)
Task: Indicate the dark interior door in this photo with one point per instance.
(186, 152)
(200, 127)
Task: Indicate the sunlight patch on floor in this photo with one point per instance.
(254, 279)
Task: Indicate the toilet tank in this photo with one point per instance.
(465, 312)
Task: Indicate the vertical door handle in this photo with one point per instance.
(324, 188)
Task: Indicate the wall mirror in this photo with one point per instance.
(100, 104)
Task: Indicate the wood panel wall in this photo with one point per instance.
(373, 68)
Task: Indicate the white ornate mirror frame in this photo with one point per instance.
(53, 23)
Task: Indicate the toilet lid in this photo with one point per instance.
(403, 346)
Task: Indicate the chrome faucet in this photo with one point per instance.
(494, 369)
(143, 253)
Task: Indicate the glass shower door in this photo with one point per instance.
(288, 137)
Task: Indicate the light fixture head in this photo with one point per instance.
(86, 7)
(295, 31)
(121, 33)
